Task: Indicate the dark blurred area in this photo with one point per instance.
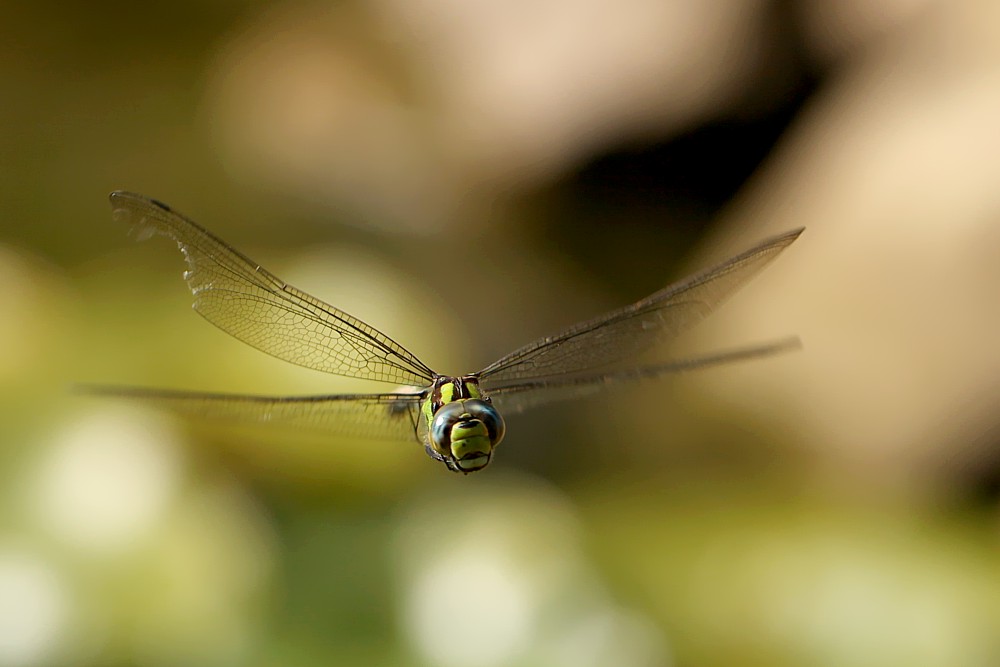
(836, 505)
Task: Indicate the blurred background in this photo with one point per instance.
(839, 505)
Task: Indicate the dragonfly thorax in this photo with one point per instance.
(462, 426)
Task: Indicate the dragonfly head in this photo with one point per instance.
(465, 432)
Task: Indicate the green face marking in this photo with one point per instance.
(469, 437)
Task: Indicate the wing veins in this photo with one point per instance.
(388, 416)
(347, 343)
(626, 331)
(518, 395)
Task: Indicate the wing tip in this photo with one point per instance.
(121, 197)
(131, 209)
(789, 237)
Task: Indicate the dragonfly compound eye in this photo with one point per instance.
(466, 432)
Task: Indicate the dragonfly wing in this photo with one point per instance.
(251, 304)
(370, 416)
(517, 396)
(625, 332)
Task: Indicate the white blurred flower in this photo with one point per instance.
(494, 574)
(107, 479)
(34, 607)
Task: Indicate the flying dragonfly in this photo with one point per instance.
(458, 419)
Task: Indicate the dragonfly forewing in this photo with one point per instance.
(624, 333)
(248, 302)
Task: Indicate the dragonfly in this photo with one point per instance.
(458, 419)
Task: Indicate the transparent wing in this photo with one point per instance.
(623, 333)
(521, 395)
(246, 301)
(370, 416)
